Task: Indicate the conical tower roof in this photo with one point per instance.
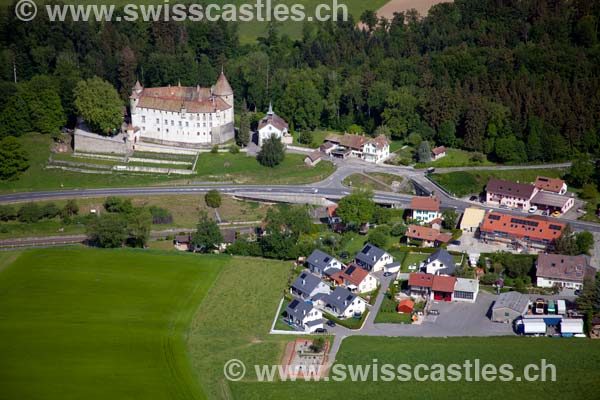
(222, 87)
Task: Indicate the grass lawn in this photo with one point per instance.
(463, 183)
(386, 178)
(37, 177)
(455, 158)
(591, 206)
(318, 137)
(242, 169)
(100, 324)
(363, 182)
(412, 259)
(354, 244)
(576, 361)
(211, 167)
(185, 210)
(386, 317)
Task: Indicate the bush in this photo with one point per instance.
(30, 212)
(212, 198)
(160, 215)
(7, 212)
(118, 205)
(398, 229)
(214, 149)
(305, 137)
(70, 209)
(234, 149)
(49, 210)
(490, 278)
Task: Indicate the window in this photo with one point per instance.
(172, 123)
(157, 121)
(143, 118)
(166, 122)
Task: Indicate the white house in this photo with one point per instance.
(374, 150)
(372, 258)
(303, 316)
(321, 263)
(342, 303)
(308, 285)
(358, 280)
(183, 114)
(438, 153)
(439, 263)
(273, 126)
(425, 209)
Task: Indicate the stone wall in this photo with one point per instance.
(223, 133)
(86, 142)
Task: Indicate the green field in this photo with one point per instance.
(576, 361)
(463, 183)
(364, 182)
(100, 324)
(249, 31)
(242, 169)
(211, 167)
(455, 158)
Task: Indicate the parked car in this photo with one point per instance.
(386, 274)
(330, 323)
(540, 306)
(433, 312)
(503, 206)
(545, 212)
(556, 214)
(533, 209)
(321, 330)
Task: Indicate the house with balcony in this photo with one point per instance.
(372, 258)
(308, 285)
(510, 194)
(303, 316)
(341, 303)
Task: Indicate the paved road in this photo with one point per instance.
(330, 188)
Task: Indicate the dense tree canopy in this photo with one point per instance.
(99, 105)
(13, 158)
(516, 80)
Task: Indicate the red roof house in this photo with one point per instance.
(406, 306)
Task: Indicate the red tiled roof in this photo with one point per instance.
(438, 150)
(425, 203)
(549, 184)
(535, 228)
(356, 276)
(443, 283)
(174, 98)
(419, 279)
(437, 221)
(425, 233)
(380, 141)
(332, 210)
(406, 305)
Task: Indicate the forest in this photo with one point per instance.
(517, 80)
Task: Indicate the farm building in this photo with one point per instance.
(509, 306)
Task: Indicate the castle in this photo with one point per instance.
(180, 115)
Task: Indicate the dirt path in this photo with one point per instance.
(422, 6)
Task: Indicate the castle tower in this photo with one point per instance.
(223, 89)
(135, 96)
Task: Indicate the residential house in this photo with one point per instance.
(308, 285)
(425, 209)
(466, 290)
(374, 150)
(443, 287)
(562, 271)
(554, 185)
(372, 258)
(439, 263)
(313, 158)
(303, 316)
(420, 284)
(510, 194)
(438, 153)
(426, 237)
(472, 219)
(358, 280)
(322, 264)
(520, 232)
(332, 217)
(341, 303)
(509, 306)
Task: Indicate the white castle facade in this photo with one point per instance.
(181, 115)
